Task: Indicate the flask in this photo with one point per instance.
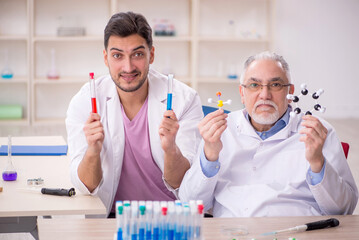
(9, 174)
(6, 72)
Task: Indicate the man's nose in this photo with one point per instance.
(264, 92)
(128, 65)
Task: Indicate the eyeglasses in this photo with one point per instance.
(274, 87)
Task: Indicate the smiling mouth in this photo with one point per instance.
(129, 77)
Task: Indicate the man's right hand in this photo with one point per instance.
(94, 133)
(89, 170)
(211, 128)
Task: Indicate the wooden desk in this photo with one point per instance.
(59, 229)
(16, 200)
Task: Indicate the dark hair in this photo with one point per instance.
(125, 24)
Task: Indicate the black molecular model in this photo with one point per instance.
(305, 92)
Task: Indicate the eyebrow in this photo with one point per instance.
(120, 50)
(275, 79)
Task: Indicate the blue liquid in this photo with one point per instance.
(148, 235)
(198, 231)
(119, 234)
(9, 176)
(141, 234)
(133, 236)
(156, 233)
(178, 236)
(171, 234)
(169, 101)
(7, 76)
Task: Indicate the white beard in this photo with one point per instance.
(269, 118)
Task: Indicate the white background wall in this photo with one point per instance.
(320, 41)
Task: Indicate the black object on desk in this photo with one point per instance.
(59, 191)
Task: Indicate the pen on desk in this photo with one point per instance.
(59, 191)
(331, 222)
(93, 92)
(169, 91)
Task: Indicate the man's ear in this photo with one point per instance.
(152, 54)
(291, 89)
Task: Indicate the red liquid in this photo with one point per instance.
(93, 102)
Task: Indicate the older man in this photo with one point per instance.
(260, 161)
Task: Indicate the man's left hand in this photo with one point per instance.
(314, 135)
(168, 131)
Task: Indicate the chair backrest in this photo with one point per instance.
(209, 109)
(345, 148)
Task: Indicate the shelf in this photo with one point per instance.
(171, 38)
(20, 79)
(13, 37)
(67, 39)
(232, 39)
(61, 80)
(218, 80)
(206, 47)
(48, 121)
(14, 122)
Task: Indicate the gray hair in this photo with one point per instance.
(270, 56)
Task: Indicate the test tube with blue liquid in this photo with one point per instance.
(142, 221)
(179, 220)
(186, 221)
(171, 216)
(191, 230)
(134, 220)
(10, 173)
(120, 220)
(149, 214)
(156, 220)
(126, 217)
(169, 91)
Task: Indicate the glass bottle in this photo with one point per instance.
(6, 72)
(9, 174)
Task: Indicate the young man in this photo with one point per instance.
(133, 148)
(260, 161)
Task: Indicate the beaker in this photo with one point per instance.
(9, 174)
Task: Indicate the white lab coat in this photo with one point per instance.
(185, 103)
(269, 177)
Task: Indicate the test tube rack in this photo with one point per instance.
(159, 220)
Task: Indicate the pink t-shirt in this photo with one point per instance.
(141, 178)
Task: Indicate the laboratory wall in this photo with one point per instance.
(320, 40)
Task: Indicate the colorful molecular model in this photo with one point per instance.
(304, 92)
(220, 102)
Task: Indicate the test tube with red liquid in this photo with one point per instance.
(93, 92)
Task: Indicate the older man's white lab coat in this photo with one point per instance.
(186, 105)
(269, 177)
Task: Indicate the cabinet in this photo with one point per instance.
(212, 39)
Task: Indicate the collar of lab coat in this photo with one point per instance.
(246, 128)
